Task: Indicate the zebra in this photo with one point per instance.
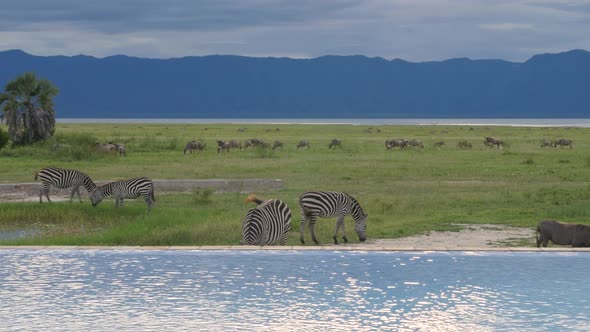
(63, 178)
(326, 204)
(267, 223)
(131, 188)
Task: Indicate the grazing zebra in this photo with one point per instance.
(131, 188)
(267, 223)
(63, 178)
(326, 204)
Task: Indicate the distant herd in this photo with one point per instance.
(390, 144)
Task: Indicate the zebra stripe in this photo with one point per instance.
(266, 224)
(63, 178)
(327, 204)
(131, 188)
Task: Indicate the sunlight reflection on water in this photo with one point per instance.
(294, 290)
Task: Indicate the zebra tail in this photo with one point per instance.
(152, 196)
(36, 175)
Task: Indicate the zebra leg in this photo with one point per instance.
(44, 190)
(339, 223)
(283, 239)
(148, 201)
(344, 231)
(74, 191)
(301, 228)
(312, 231)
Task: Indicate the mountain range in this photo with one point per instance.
(226, 86)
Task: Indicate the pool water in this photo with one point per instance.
(230, 290)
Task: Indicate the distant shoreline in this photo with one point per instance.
(535, 122)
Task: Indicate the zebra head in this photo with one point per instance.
(95, 197)
(360, 225)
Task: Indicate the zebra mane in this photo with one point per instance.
(88, 183)
(356, 206)
(253, 198)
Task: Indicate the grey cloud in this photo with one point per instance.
(184, 15)
(413, 30)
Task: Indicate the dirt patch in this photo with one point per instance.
(470, 236)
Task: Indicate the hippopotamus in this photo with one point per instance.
(576, 235)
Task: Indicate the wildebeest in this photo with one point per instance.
(277, 144)
(193, 146)
(248, 143)
(546, 143)
(303, 144)
(104, 147)
(392, 143)
(439, 144)
(564, 142)
(464, 145)
(335, 143)
(490, 141)
(121, 149)
(222, 145)
(118, 148)
(235, 144)
(416, 143)
(576, 235)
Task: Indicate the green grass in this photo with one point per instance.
(404, 192)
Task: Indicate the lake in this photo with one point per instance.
(388, 121)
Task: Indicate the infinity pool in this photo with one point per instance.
(148, 290)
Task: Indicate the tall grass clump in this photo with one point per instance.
(152, 143)
(62, 147)
(202, 196)
(262, 152)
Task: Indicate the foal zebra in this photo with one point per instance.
(131, 188)
(326, 204)
(267, 223)
(63, 178)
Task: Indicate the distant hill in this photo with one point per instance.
(547, 85)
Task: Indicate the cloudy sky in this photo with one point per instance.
(414, 30)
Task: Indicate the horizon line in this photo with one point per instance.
(576, 50)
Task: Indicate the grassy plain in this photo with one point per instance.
(404, 192)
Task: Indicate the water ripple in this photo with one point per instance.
(313, 291)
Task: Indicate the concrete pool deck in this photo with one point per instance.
(29, 191)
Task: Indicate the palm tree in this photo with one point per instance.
(28, 108)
